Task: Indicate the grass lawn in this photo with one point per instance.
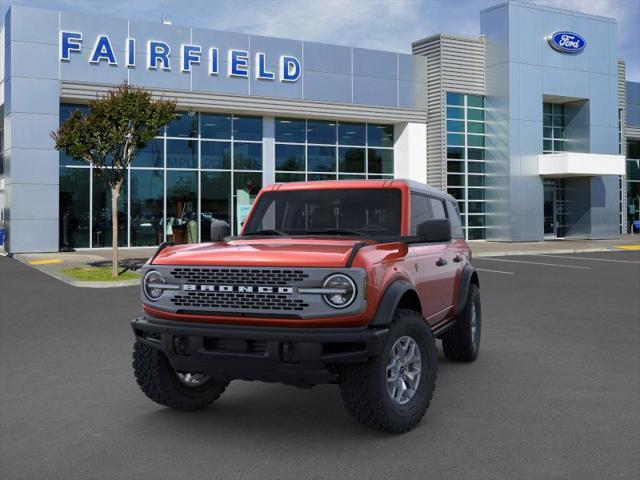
(97, 274)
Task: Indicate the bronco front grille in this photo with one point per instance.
(239, 276)
(235, 301)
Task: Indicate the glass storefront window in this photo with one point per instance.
(185, 124)
(215, 207)
(247, 128)
(66, 109)
(290, 130)
(215, 155)
(455, 126)
(351, 160)
(181, 220)
(101, 216)
(455, 98)
(466, 155)
(315, 177)
(475, 101)
(380, 161)
(182, 154)
(455, 113)
(351, 133)
(74, 207)
(247, 156)
(380, 135)
(152, 155)
(290, 177)
(321, 159)
(147, 193)
(290, 157)
(215, 126)
(322, 132)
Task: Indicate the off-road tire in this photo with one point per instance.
(364, 386)
(459, 343)
(158, 380)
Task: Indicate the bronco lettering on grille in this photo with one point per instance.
(237, 289)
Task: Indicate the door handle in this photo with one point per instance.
(457, 259)
(441, 262)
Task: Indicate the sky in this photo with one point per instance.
(378, 24)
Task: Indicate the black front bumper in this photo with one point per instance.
(298, 356)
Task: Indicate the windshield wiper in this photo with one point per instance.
(267, 231)
(336, 231)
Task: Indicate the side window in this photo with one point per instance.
(454, 218)
(437, 206)
(420, 211)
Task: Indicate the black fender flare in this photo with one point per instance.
(468, 275)
(389, 302)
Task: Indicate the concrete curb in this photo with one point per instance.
(542, 252)
(76, 283)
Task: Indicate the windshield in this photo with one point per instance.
(359, 211)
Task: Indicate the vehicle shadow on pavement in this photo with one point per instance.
(255, 408)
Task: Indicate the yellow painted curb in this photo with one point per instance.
(628, 247)
(47, 261)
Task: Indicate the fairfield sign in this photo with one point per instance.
(159, 56)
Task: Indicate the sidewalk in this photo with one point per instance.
(131, 258)
(481, 248)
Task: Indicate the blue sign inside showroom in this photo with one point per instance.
(159, 56)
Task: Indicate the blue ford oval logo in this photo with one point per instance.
(567, 42)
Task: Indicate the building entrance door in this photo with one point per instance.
(555, 208)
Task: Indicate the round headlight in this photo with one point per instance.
(343, 290)
(152, 285)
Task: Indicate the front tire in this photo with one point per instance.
(161, 383)
(462, 342)
(392, 391)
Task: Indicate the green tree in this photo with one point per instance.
(117, 126)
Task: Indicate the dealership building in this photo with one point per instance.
(532, 126)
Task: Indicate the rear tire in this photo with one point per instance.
(462, 342)
(364, 387)
(160, 382)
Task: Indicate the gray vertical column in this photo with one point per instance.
(31, 112)
(268, 151)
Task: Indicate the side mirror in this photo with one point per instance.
(219, 230)
(435, 230)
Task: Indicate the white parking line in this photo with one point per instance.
(494, 271)
(591, 258)
(533, 263)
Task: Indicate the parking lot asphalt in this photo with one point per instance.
(555, 392)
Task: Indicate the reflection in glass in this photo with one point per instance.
(184, 124)
(455, 98)
(215, 191)
(182, 153)
(380, 161)
(151, 155)
(215, 126)
(290, 130)
(290, 157)
(320, 131)
(147, 190)
(379, 135)
(351, 160)
(247, 128)
(314, 177)
(181, 222)
(74, 207)
(351, 133)
(247, 156)
(215, 155)
(101, 216)
(289, 177)
(321, 159)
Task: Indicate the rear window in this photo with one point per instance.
(454, 218)
(367, 211)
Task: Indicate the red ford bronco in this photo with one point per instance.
(346, 282)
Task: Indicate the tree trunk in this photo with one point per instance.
(115, 193)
